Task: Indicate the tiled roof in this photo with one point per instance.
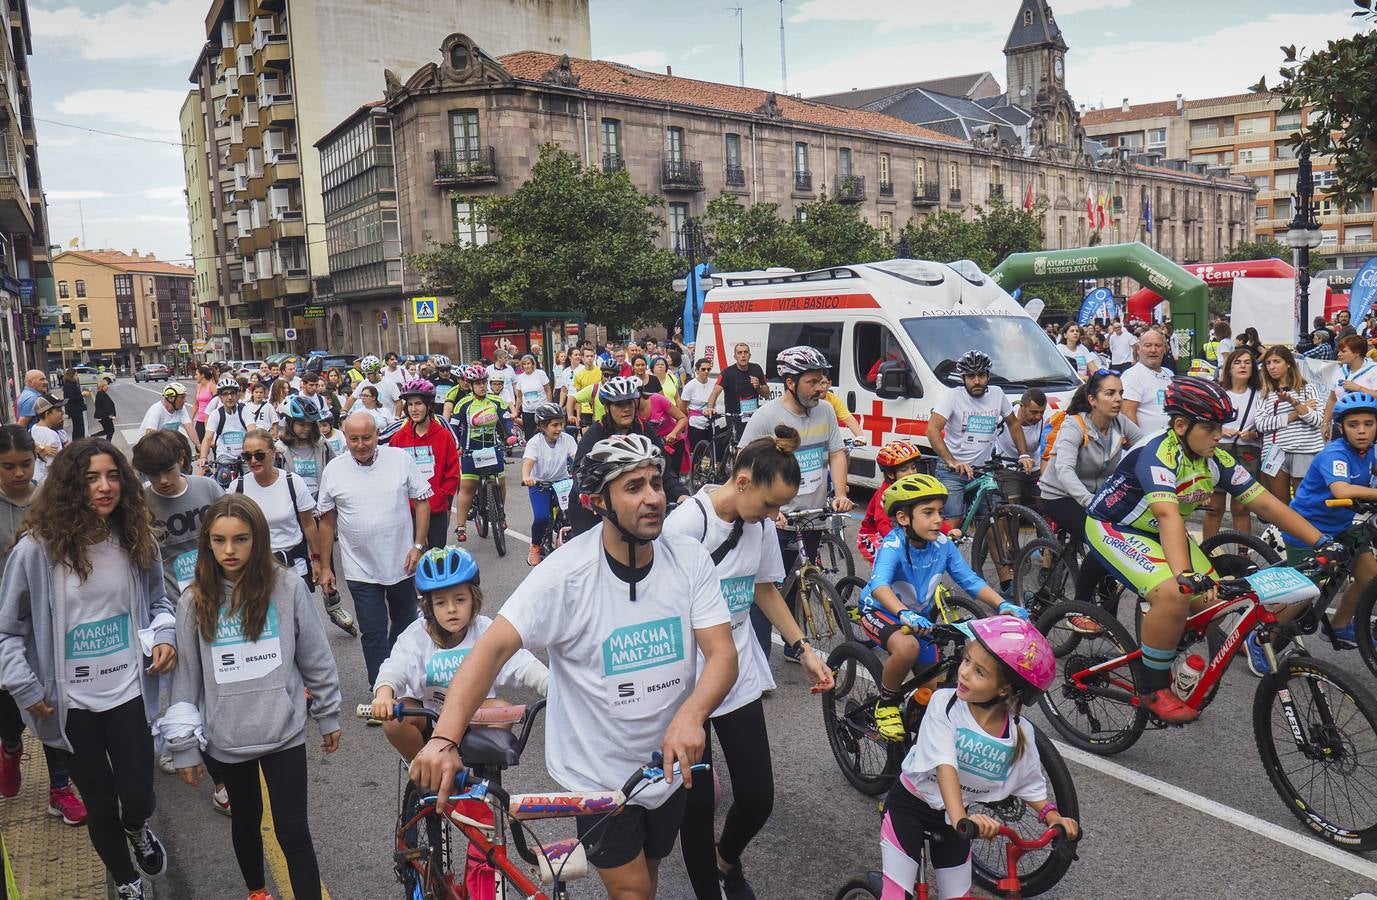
(120, 260)
(627, 81)
(955, 86)
(1113, 114)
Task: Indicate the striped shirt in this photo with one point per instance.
(1300, 436)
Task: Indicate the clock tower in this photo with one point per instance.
(1035, 70)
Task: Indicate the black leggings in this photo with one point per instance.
(746, 748)
(285, 773)
(1068, 514)
(528, 425)
(107, 427)
(438, 533)
(12, 733)
(112, 765)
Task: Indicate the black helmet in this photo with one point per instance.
(1198, 399)
(973, 362)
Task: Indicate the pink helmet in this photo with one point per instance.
(1020, 646)
(475, 372)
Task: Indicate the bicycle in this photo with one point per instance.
(871, 763)
(489, 513)
(1362, 536)
(1005, 520)
(422, 856)
(818, 607)
(558, 528)
(1010, 887)
(712, 458)
(1308, 710)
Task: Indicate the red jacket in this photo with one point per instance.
(443, 459)
(876, 525)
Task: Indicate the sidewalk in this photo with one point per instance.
(52, 861)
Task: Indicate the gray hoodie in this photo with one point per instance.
(255, 702)
(33, 627)
(1082, 462)
(11, 514)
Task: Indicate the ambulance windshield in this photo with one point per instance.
(1023, 354)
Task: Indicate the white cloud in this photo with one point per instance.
(169, 32)
(74, 196)
(700, 48)
(650, 60)
(154, 109)
(891, 15)
(172, 192)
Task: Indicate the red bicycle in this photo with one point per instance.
(1009, 887)
(1315, 726)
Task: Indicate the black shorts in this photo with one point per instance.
(1018, 486)
(617, 840)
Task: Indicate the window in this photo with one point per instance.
(884, 169)
(826, 336)
(1133, 140)
(800, 158)
(1255, 125)
(85, 337)
(468, 231)
(1027, 17)
(875, 345)
(1328, 238)
(153, 311)
(920, 170)
(459, 57)
(844, 162)
(1288, 121)
(1325, 179)
(80, 288)
(678, 218)
(1061, 130)
(83, 313)
(463, 134)
(612, 137)
(1022, 352)
(800, 214)
(1358, 234)
(62, 290)
(1157, 137)
(674, 144)
(733, 150)
(1261, 212)
(887, 222)
(1264, 182)
(954, 176)
(1247, 155)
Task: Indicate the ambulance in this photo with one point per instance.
(893, 332)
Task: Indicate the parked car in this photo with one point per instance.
(89, 375)
(247, 368)
(152, 372)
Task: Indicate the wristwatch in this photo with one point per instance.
(418, 546)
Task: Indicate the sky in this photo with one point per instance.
(122, 66)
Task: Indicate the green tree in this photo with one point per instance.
(742, 238)
(1337, 83)
(835, 234)
(571, 238)
(987, 239)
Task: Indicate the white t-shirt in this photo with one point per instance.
(229, 440)
(532, 389)
(43, 436)
(260, 415)
(624, 667)
(160, 417)
(552, 463)
(756, 559)
(1366, 375)
(972, 422)
(1226, 346)
(695, 395)
(1084, 360)
(984, 764)
(374, 524)
(284, 528)
(564, 377)
(395, 376)
(101, 654)
(1246, 416)
(508, 375)
(1149, 389)
(1121, 347)
(420, 669)
(388, 393)
(1032, 438)
(320, 400)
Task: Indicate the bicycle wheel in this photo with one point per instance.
(960, 608)
(495, 516)
(872, 885)
(1099, 716)
(1236, 553)
(479, 508)
(701, 465)
(1365, 625)
(822, 617)
(423, 852)
(849, 590)
(868, 761)
(1018, 525)
(1040, 870)
(1045, 575)
(1316, 730)
(835, 558)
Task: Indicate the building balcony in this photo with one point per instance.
(926, 193)
(803, 182)
(735, 176)
(954, 195)
(1191, 212)
(1357, 247)
(851, 188)
(886, 188)
(465, 167)
(276, 52)
(1161, 211)
(1358, 218)
(272, 5)
(280, 111)
(291, 282)
(284, 167)
(234, 105)
(15, 213)
(291, 223)
(681, 175)
(613, 162)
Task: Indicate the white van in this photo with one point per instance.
(892, 330)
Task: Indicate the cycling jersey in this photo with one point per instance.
(1338, 461)
(478, 422)
(913, 572)
(1160, 470)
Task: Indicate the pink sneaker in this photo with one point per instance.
(64, 802)
(9, 770)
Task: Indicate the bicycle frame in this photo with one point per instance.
(982, 486)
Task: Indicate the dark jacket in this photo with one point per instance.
(71, 392)
(105, 405)
(580, 519)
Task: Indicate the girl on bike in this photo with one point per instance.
(253, 648)
(735, 523)
(668, 422)
(86, 570)
(693, 402)
(1243, 383)
(432, 445)
(973, 745)
(1289, 421)
(548, 458)
(300, 448)
(483, 429)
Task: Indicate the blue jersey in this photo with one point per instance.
(913, 572)
(1336, 462)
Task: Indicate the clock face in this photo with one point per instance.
(1056, 68)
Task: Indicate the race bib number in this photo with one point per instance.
(184, 569)
(812, 463)
(233, 442)
(645, 668)
(531, 398)
(981, 424)
(99, 651)
(562, 489)
(739, 592)
(236, 658)
(306, 468)
(1272, 459)
(749, 405)
(485, 457)
(1282, 585)
(441, 668)
(425, 460)
(982, 756)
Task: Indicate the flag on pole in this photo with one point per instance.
(1028, 198)
(1147, 214)
(1090, 207)
(1099, 212)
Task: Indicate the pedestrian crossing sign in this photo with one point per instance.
(425, 309)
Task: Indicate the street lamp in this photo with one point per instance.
(1303, 235)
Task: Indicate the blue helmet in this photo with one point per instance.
(299, 408)
(1354, 402)
(444, 567)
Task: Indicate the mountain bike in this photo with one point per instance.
(1362, 537)
(1308, 714)
(994, 528)
(1009, 887)
(871, 763)
(818, 608)
(424, 838)
(558, 528)
(711, 459)
(489, 513)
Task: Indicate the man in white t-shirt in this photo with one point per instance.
(393, 372)
(364, 496)
(389, 393)
(170, 414)
(1145, 384)
(289, 374)
(501, 369)
(623, 611)
(1121, 344)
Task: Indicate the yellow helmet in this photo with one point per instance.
(912, 489)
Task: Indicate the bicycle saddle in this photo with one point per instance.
(489, 747)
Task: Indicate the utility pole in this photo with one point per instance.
(738, 11)
(783, 58)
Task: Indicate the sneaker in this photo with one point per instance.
(219, 800)
(10, 765)
(734, 886)
(165, 764)
(888, 721)
(1168, 707)
(1347, 636)
(1257, 656)
(533, 556)
(132, 891)
(460, 535)
(65, 803)
(1084, 625)
(260, 895)
(147, 852)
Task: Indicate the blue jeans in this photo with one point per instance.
(955, 504)
(383, 612)
(540, 512)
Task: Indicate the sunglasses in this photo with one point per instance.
(1100, 373)
(254, 455)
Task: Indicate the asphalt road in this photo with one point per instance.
(1186, 812)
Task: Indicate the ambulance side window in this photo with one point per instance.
(875, 344)
(825, 336)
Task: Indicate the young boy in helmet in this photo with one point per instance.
(911, 560)
(1343, 470)
(1136, 528)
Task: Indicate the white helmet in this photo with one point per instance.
(440, 361)
(615, 456)
(797, 360)
(227, 383)
(370, 363)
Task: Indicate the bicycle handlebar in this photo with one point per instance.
(526, 717)
(968, 830)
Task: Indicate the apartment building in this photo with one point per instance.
(127, 309)
(205, 238)
(272, 78)
(1250, 134)
(27, 290)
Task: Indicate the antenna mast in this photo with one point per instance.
(783, 60)
(740, 41)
